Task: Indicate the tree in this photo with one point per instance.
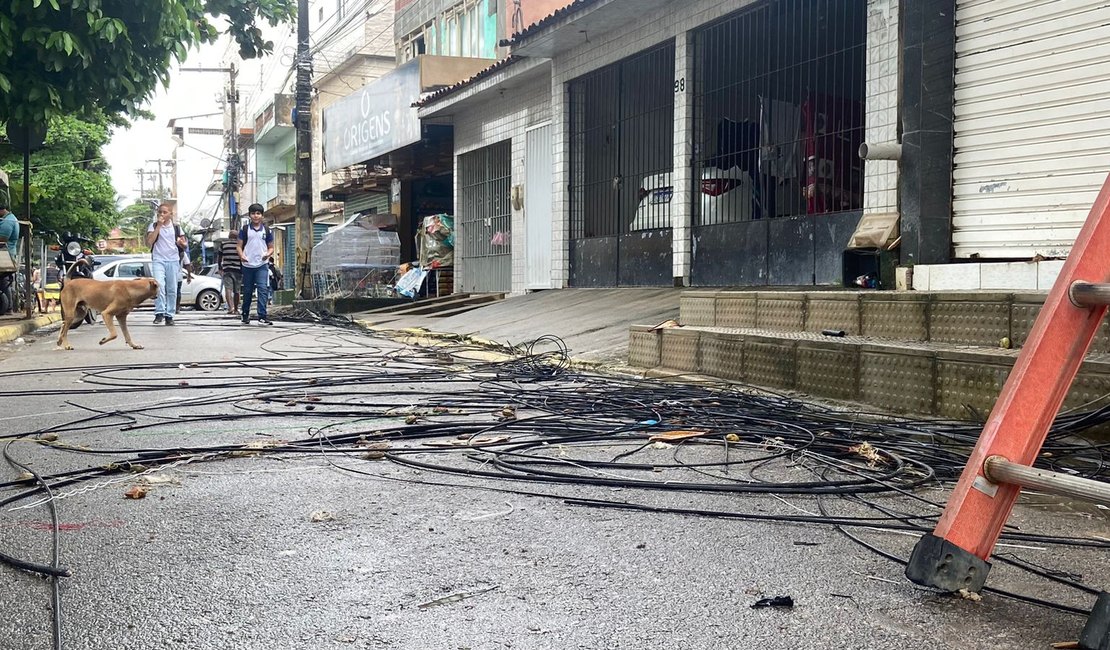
(61, 57)
(70, 185)
(134, 219)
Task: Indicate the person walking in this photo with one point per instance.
(231, 269)
(167, 243)
(256, 247)
(276, 280)
(186, 271)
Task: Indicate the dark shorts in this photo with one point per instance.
(233, 280)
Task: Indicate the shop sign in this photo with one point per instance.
(374, 120)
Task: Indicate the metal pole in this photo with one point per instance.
(303, 269)
(233, 174)
(999, 470)
(27, 210)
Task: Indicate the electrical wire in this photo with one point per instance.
(532, 419)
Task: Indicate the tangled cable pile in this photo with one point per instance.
(530, 418)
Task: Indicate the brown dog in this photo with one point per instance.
(112, 298)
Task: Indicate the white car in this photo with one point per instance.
(204, 292)
(726, 196)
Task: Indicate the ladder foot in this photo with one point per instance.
(1096, 633)
(937, 562)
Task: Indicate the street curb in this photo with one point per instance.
(10, 333)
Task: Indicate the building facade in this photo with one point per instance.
(719, 144)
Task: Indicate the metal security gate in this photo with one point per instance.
(779, 117)
(622, 155)
(537, 206)
(484, 246)
(1032, 124)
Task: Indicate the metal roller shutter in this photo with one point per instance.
(1032, 124)
(377, 202)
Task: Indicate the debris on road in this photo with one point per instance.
(774, 601)
(321, 515)
(136, 492)
(454, 598)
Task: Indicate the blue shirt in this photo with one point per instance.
(9, 227)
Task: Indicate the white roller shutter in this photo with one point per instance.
(1032, 124)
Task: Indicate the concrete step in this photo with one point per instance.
(446, 305)
(928, 378)
(407, 305)
(979, 318)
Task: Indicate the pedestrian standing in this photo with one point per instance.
(166, 242)
(9, 229)
(186, 271)
(256, 247)
(231, 269)
(276, 280)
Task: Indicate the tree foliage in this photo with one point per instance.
(71, 188)
(69, 56)
(134, 219)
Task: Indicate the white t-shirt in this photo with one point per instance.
(255, 245)
(165, 247)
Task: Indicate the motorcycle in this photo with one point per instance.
(74, 261)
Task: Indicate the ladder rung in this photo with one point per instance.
(1089, 294)
(1000, 470)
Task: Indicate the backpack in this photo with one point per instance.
(266, 234)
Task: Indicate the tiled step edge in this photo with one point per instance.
(920, 378)
(980, 318)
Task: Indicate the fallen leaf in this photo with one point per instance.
(136, 492)
(668, 436)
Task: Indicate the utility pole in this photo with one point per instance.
(303, 124)
(234, 164)
(164, 167)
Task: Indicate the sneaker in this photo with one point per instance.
(265, 321)
(169, 320)
(158, 318)
(246, 321)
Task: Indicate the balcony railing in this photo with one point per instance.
(278, 190)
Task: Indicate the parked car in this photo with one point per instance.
(203, 292)
(726, 196)
(100, 260)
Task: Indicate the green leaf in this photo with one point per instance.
(54, 3)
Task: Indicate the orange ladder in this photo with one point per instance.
(956, 555)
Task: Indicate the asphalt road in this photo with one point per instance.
(321, 549)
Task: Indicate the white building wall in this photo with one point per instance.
(883, 48)
(505, 116)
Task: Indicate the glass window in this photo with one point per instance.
(130, 270)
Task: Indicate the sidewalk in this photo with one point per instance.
(15, 326)
(593, 323)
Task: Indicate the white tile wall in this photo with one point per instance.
(988, 276)
(881, 176)
(505, 116)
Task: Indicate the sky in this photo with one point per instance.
(147, 141)
(193, 94)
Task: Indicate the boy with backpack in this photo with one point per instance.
(255, 247)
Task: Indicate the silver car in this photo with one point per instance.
(204, 292)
